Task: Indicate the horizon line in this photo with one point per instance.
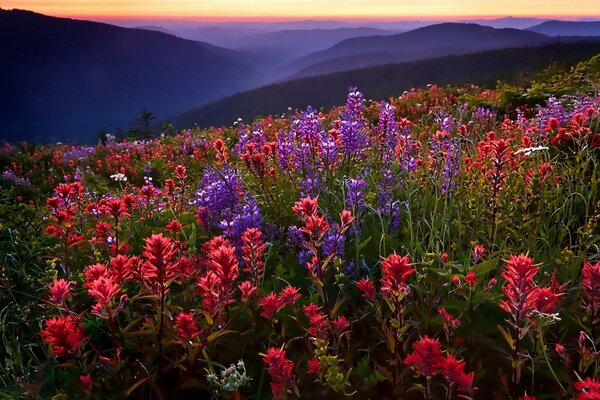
(316, 18)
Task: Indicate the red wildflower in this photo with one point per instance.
(280, 369)
(315, 226)
(64, 334)
(340, 324)
(367, 288)
(545, 299)
(289, 295)
(159, 253)
(121, 267)
(519, 288)
(448, 320)
(426, 357)
(453, 371)
(311, 309)
(306, 207)
(252, 250)
(313, 366)
(186, 327)
(589, 389)
(478, 253)
(221, 150)
(60, 290)
(590, 284)
(223, 263)
(174, 226)
(346, 218)
(271, 303)
(247, 289)
(86, 381)
(396, 270)
(471, 278)
(94, 272)
(180, 172)
(103, 289)
(526, 397)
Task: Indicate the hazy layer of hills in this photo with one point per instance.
(66, 78)
(568, 28)
(484, 68)
(62, 78)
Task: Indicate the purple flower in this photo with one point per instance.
(354, 139)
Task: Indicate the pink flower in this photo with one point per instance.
(367, 288)
(426, 357)
(60, 290)
(64, 334)
(186, 327)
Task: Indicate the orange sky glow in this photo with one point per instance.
(294, 9)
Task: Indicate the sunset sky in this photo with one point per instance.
(271, 9)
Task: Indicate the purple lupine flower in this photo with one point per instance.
(387, 126)
(79, 153)
(219, 195)
(451, 168)
(354, 139)
(385, 188)
(147, 169)
(333, 242)
(246, 215)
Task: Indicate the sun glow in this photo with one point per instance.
(273, 9)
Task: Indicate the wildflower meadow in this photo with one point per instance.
(431, 246)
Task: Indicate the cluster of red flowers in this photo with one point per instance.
(427, 359)
(280, 369)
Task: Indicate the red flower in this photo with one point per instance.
(64, 334)
(185, 327)
(346, 218)
(471, 278)
(86, 381)
(271, 303)
(252, 250)
(280, 369)
(590, 284)
(340, 324)
(180, 172)
(526, 397)
(588, 389)
(545, 299)
(454, 372)
(289, 295)
(367, 288)
(247, 289)
(60, 290)
(519, 288)
(121, 267)
(315, 226)
(306, 207)
(174, 226)
(426, 357)
(448, 319)
(159, 253)
(313, 366)
(94, 272)
(478, 253)
(104, 289)
(396, 270)
(223, 263)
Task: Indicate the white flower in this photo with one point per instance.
(528, 150)
(118, 177)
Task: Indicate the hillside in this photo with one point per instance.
(568, 28)
(64, 78)
(431, 41)
(384, 81)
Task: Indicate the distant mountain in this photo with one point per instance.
(155, 28)
(568, 28)
(431, 41)
(68, 79)
(507, 22)
(380, 82)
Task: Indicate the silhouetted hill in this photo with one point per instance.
(484, 68)
(431, 41)
(69, 79)
(567, 28)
